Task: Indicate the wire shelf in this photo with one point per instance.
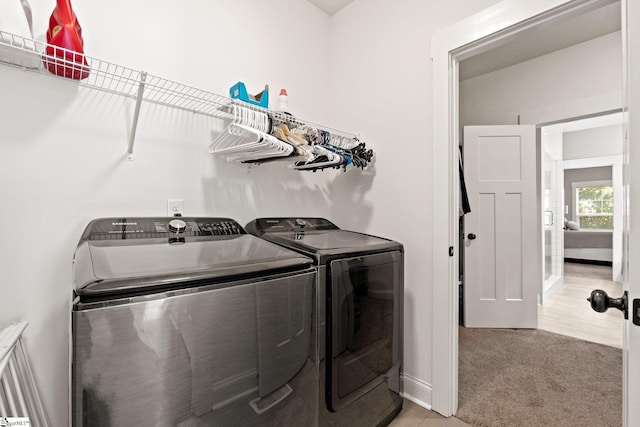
(116, 79)
(108, 77)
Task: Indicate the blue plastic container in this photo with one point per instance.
(239, 91)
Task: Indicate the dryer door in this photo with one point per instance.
(364, 335)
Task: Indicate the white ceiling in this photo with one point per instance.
(330, 6)
(543, 40)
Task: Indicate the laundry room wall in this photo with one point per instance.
(367, 70)
(576, 81)
(64, 146)
(382, 76)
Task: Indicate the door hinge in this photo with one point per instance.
(450, 250)
(635, 316)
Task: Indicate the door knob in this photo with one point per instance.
(601, 302)
(471, 236)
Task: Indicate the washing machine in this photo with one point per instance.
(359, 312)
(190, 322)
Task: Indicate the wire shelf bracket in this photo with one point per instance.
(136, 115)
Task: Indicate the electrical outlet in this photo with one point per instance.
(175, 207)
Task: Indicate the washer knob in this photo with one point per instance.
(177, 226)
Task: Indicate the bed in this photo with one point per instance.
(588, 245)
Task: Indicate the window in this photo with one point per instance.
(594, 204)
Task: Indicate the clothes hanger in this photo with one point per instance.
(262, 146)
(244, 131)
(323, 158)
(267, 147)
(252, 142)
(300, 144)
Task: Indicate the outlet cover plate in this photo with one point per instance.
(175, 207)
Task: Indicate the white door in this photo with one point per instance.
(502, 250)
(631, 350)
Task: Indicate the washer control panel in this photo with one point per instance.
(160, 227)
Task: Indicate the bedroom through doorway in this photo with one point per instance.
(582, 200)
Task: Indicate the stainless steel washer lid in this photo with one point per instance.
(318, 237)
(127, 265)
(322, 244)
(332, 239)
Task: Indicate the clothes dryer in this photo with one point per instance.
(359, 312)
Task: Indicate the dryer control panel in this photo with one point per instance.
(260, 226)
(160, 227)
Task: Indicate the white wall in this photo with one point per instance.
(576, 81)
(366, 70)
(63, 160)
(594, 142)
(381, 75)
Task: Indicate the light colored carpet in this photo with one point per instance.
(534, 378)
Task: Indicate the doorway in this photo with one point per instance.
(582, 191)
(567, 311)
(544, 87)
(507, 19)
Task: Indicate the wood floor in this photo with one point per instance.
(568, 312)
(413, 415)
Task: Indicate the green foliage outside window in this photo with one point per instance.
(595, 207)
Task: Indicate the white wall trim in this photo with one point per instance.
(591, 162)
(551, 286)
(417, 391)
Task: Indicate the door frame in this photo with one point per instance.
(462, 40)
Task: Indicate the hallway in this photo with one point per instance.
(568, 313)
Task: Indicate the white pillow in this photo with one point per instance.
(572, 225)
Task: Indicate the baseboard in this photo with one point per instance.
(548, 292)
(589, 254)
(417, 391)
(588, 261)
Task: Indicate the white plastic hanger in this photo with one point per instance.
(245, 138)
